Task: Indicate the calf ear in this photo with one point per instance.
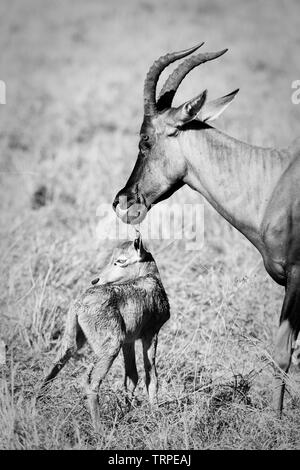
(137, 242)
(215, 108)
(187, 111)
(139, 247)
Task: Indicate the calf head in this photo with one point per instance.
(128, 261)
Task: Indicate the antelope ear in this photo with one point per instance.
(215, 108)
(138, 244)
(137, 241)
(188, 111)
(139, 247)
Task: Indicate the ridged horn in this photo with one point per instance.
(152, 77)
(172, 83)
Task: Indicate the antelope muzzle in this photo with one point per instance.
(130, 206)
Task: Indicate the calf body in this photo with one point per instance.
(111, 317)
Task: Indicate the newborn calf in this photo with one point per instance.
(128, 302)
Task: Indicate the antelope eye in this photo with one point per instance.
(120, 261)
(145, 143)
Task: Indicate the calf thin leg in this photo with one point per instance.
(131, 375)
(287, 334)
(149, 352)
(73, 340)
(107, 353)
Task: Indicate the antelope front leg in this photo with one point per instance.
(287, 334)
(296, 354)
(149, 352)
(283, 353)
(131, 375)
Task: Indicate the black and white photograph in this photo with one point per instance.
(150, 227)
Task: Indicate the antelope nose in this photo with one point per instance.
(116, 202)
(124, 200)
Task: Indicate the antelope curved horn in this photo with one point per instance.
(170, 87)
(152, 77)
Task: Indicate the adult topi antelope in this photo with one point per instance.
(256, 189)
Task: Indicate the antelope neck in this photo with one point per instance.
(236, 178)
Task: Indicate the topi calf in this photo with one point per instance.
(128, 302)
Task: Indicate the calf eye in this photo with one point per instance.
(120, 261)
(145, 137)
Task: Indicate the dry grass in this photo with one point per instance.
(74, 74)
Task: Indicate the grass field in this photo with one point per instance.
(74, 72)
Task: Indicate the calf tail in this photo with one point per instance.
(73, 340)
